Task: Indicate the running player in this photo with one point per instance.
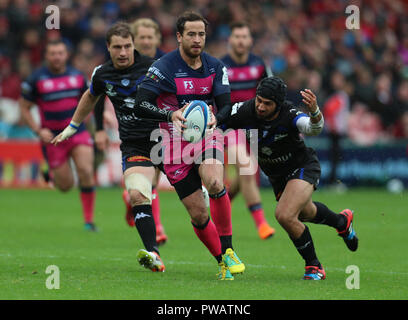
(56, 89)
(119, 79)
(292, 168)
(146, 39)
(177, 78)
(245, 70)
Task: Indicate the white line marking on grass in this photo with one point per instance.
(180, 262)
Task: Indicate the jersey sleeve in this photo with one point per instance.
(28, 88)
(158, 79)
(221, 83)
(97, 85)
(294, 116)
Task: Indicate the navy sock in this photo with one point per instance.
(325, 216)
(146, 227)
(305, 247)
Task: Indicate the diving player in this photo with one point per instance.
(293, 169)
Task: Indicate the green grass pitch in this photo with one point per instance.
(44, 227)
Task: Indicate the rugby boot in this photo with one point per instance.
(265, 231)
(232, 261)
(348, 233)
(150, 260)
(314, 273)
(224, 272)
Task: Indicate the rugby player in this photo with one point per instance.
(293, 169)
(119, 79)
(56, 89)
(146, 39)
(183, 75)
(245, 70)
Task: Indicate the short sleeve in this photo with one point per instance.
(28, 88)
(97, 85)
(221, 82)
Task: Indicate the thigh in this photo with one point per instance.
(83, 156)
(295, 196)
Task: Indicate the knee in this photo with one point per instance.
(215, 185)
(85, 176)
(137, 198)
(200, 219)
(284, 218)
(64, 185)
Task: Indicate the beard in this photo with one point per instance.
(192, 52)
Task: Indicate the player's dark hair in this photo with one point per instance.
(54, 42)
(239, 25)
(189, 16)
(121, 29)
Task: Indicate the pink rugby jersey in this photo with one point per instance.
(244, 78)
(56, 95)
(176, 84)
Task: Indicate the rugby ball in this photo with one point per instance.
(197, 115)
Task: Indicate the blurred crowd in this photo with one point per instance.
(360, 76)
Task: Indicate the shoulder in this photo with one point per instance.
(226, 59)
(101, 69)
(212, 61)
(37, 74)
(71, 71)
(255, 59)
(246, 107)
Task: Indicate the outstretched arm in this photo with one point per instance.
(313, 124)
(85, 106)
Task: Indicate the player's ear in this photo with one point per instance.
(179, 36)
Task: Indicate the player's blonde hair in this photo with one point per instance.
(147, 23)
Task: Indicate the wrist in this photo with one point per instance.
(170, 115)
(315, 113)
(74, 125)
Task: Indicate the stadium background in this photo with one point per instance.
(304, 42)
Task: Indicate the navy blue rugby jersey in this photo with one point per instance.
(121, 86)
(280, 146)
(176, 84)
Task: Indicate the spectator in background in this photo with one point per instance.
(382, 101)
(401, 108)
(336, 113)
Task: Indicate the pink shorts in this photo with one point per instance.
(57, 155)
(180, 157)
(234, 137)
